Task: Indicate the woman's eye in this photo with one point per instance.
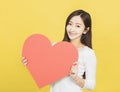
(78, 26)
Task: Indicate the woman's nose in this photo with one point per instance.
(72, 29)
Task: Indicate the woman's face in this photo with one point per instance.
(75, 28)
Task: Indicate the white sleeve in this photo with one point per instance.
(90, 70)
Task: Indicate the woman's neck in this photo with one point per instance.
(77, 43)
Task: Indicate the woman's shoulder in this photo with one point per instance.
(88, 51)
(87, 54)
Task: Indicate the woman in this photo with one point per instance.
(83, 72)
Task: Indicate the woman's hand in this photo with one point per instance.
(74, 71)
(24, 61)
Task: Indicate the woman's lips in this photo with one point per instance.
(72, 34)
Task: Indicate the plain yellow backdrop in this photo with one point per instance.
(21, 18)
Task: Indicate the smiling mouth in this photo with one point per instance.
(71, 33)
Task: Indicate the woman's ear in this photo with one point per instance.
(86, 30)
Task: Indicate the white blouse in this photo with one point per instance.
(87, 64)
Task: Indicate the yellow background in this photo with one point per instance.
(21, 18)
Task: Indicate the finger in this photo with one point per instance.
(23, 58)
(25, 63)
(75, 63)
(72, 71)
(72, 67)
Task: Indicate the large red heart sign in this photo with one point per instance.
(47, 63)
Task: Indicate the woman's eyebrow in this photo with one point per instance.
(78, 23)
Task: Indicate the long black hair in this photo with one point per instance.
(86, 39)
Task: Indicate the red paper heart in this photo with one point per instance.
(48, 63)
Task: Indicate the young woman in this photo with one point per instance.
(83, 72)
